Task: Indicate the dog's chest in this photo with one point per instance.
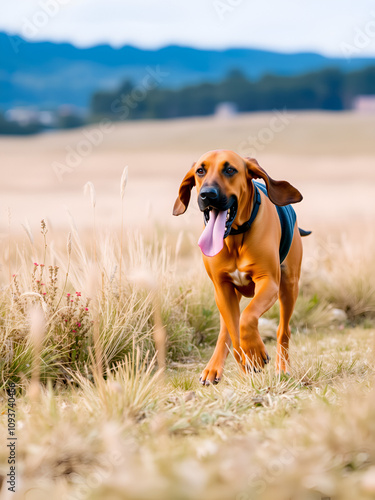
(239, 278)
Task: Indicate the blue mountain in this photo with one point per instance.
(47, 74)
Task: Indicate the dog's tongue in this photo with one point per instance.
(211, 240)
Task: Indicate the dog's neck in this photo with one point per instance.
(250, 215)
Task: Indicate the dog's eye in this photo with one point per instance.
(229, 171)
(200, 171)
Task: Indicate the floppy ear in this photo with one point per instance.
(279, 192)
(183, 198)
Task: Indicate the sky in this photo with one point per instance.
(329, 27)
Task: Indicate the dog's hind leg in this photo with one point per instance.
(288, 293)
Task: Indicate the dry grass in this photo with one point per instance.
(136, 434)
(307, 436)
(347, 278)
(96, 417)
(126, 320)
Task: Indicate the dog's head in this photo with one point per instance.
(223, 181)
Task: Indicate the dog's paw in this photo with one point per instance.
(211, 374)
(254, 355)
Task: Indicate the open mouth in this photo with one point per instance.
(231, 213)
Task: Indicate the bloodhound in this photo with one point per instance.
(251, 247)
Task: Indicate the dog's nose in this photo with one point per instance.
(209, 193)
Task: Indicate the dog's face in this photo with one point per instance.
(223, 181)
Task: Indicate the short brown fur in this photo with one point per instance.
(254, 255)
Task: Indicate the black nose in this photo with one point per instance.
(209, 193)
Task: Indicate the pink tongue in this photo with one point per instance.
(211, 240)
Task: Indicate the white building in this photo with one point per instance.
(364, 103)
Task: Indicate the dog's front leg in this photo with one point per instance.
(227, 302)
(252, 348)
(215, 367)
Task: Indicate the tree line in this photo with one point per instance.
(328, 89)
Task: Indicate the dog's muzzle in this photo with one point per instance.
(210, 199)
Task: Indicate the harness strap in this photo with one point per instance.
(246, 226)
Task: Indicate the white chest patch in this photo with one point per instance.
(239, 278)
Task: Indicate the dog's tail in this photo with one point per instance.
(302, 232)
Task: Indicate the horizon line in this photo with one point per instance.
(181, 46)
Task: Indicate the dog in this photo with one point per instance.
(251, 247)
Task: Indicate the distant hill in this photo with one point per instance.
(46, 74)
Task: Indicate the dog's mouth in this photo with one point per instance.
(231, 213)
(218, 225)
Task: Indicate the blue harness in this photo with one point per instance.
(286, 215)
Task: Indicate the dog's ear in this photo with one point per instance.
(279, 192)
(183, 198)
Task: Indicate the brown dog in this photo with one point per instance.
(251, 248)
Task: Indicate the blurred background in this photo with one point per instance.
(88, 86)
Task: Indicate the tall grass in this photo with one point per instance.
(57, 278)
(102, 297)
(61, 283)
(107, 422)
(337, 285)
(344, 276)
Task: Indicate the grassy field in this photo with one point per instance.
(328, 156)
(85, 305)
